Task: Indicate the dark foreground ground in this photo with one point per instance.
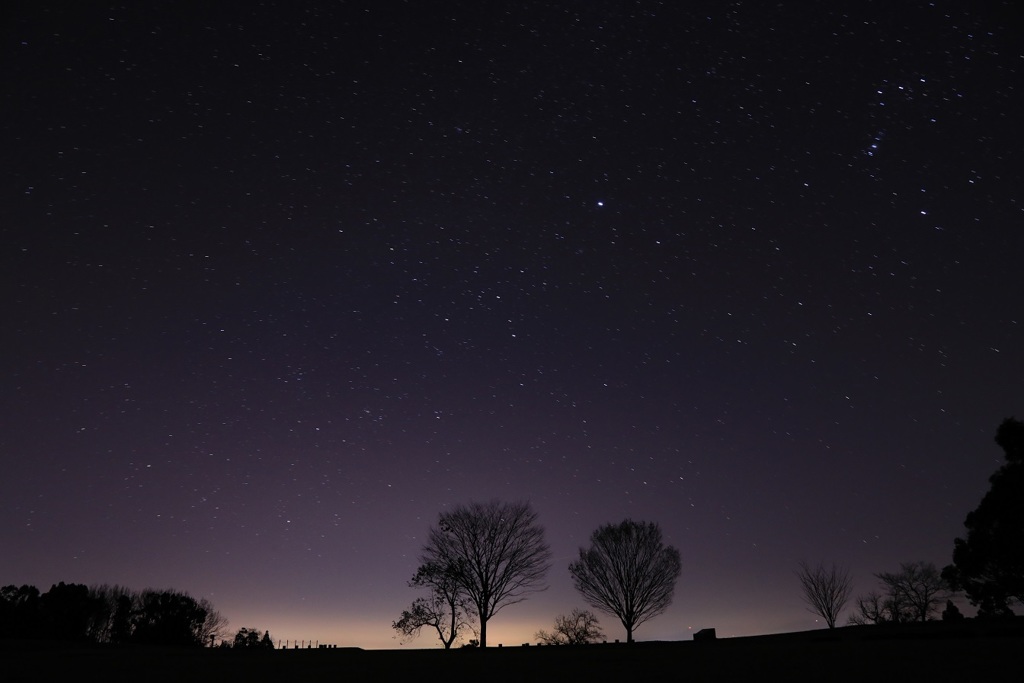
(848, 654)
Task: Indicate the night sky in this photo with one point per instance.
(281, 281)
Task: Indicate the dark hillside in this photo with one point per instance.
(924, 652)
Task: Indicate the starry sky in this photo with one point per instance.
(281, 281)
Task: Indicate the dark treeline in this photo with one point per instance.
(249, 639)
(108, 614)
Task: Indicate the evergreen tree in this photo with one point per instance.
(988, 565)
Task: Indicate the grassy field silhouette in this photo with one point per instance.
(934, 652)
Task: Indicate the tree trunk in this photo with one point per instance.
(451, 633)
(629, 634)
(483, 631)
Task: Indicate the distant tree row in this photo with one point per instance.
(988, 565)
(914, 593)
(482, 557)
(108, 614)
(249, 639)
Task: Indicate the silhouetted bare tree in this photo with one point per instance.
(627, 572)
(578, 628)
(215, 625)
(446, 609)
(122, 620)
(496, 551)
(918, 588)
(826, 590)
(914, 593)
(873, 608)
(105, 622)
